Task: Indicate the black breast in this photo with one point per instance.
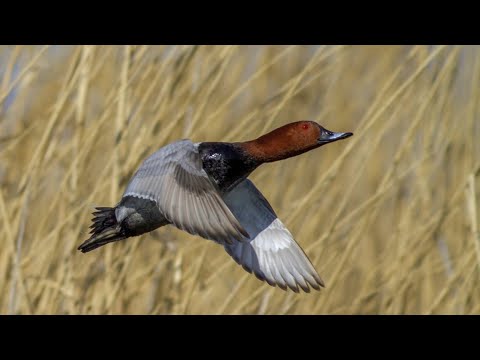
(226, 163)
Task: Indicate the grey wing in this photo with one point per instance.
(271, 253)
(174, 178)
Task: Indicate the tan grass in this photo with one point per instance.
(389, 217)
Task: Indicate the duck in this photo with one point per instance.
(203, 189)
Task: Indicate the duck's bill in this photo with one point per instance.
(328, 136)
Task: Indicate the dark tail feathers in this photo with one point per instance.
(105, 229)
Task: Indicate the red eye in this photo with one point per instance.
(305, 126)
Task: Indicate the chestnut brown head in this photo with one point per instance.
(291, 140)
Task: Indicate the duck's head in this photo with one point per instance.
(291, 140)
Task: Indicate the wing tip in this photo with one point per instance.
(314, 281)
(319, 281)
(306, 288)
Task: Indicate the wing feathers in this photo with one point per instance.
(270, 253)
(175, 179)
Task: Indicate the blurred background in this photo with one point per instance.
(389, 217)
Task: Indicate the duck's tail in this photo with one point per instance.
(105, 229)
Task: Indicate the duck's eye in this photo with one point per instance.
(305, 126)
